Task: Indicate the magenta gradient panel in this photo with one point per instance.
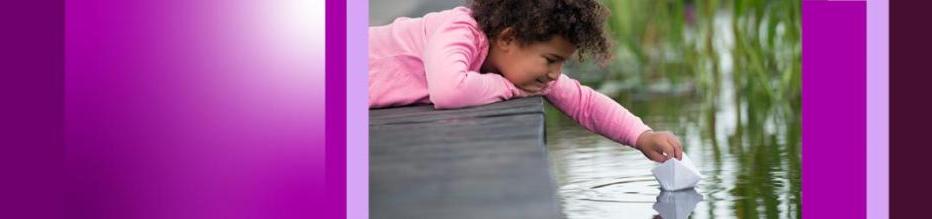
(194, 109)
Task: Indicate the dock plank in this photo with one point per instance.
(427, 113)
(481, 162)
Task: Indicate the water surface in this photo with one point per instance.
(749, 155)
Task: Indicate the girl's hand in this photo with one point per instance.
(659, 146)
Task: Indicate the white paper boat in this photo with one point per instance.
(676, 174)
(677, 204)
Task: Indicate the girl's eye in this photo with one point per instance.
(550, 61)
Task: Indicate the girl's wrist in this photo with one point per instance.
(638, 144)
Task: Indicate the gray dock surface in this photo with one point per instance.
(481, 162)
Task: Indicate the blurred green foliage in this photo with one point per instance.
(682, 45)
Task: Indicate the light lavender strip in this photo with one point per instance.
(878, 148)
(357, 109)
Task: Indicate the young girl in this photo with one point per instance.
(497, 50)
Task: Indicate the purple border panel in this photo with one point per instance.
(834, 111)
(336, 109)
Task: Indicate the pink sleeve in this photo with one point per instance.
(595, 111)
(450, 50)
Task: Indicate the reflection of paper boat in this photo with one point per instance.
(677, 174)
(677, 204)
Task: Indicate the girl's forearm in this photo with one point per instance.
(595, 111)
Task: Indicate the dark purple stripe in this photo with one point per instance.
(31, 112)
(909, 108)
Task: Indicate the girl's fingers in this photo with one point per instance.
(677, 148)
(654, 156)
(668, 149)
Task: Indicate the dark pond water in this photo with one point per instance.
(748, 151)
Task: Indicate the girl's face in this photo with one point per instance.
(530, 67)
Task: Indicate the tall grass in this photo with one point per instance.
(755, 43)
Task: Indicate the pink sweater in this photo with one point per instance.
(435, 59)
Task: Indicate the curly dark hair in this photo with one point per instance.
(581, 22)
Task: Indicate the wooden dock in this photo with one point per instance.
(481, 162)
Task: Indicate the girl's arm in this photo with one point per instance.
(595, 111)
(450, 84)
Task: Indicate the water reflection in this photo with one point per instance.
(677, 204)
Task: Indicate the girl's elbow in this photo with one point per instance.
(447, 100)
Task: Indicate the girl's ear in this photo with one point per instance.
(506, 38)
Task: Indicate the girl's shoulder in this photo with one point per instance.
(453, 12)
(454, 15)
(457, 20)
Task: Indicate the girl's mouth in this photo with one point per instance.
(543, 83)
(535, 86)
(539, 85)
